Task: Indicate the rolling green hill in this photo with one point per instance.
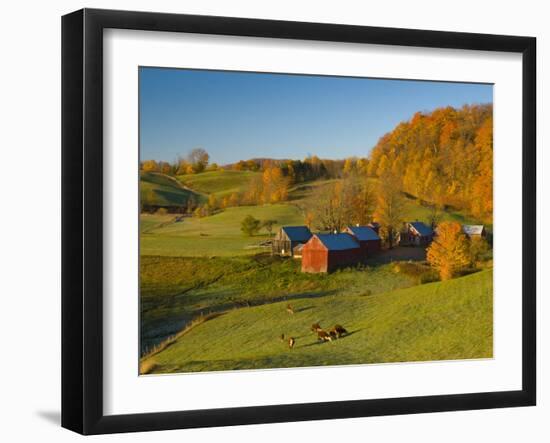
(161, 190)
(436, 321)
(217, 235)
(220, 183)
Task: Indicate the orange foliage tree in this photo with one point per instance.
(449, 252)
(444, 157)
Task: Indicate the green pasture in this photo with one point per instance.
(161, 190)
(221, 183)
(177, 289)
(436, 321)
(216, 235)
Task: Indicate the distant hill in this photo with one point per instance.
(159, 190)
(220, 183)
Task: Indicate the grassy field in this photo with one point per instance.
(193, 268)
(220, 183)
(217, 235)
(161, 190)
(220, 234)
(176, 289)
(436, 321)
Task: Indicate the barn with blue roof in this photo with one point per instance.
(416, 234)
(288, 238)
(368, 239)
(328, 252)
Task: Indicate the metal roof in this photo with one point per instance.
(422, 228)
(364, 233)
(472, 229)
(297, 233)
(338, 242)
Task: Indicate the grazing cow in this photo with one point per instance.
(333, 334)
(315, 327)
(323, 336)
(291, 342)
(290, 309)
(339, 330)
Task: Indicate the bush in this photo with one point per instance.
(413, 269)
(250, 225)
(418, 270)
(162, 211)
(428, 277)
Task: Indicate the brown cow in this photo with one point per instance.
(291, 342)
(315, 327)
(339, 330)
(323, 336)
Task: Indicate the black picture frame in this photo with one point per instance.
(82, 218)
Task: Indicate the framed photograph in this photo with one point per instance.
(268, 221)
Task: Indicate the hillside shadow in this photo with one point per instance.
(306, 308)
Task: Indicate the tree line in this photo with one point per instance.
(444, 157)
(295, 171)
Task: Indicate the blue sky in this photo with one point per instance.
(237, 115)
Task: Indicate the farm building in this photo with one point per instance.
(328, 252)
(415, 234)
(297, 250)
(375, 227)
(288, 238)
(368, 239)
(474, 231)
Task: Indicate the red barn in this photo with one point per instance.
(368, 239)
(328, 252)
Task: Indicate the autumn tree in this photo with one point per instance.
(212, 201)
(348, 166)
(360, 199)
(482, 189)
(234, 199)
(328, 207)
(165, 167)
(444, 157)
(250, 225)
(150, 166)
(274, 185)
(362, 166)
(390, 206)
(449, 252)
(198, 158)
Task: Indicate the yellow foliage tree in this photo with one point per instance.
(390, 206)
(348, 166)
(212, 201)
(449, 252)
(150, 166)
(234, 199)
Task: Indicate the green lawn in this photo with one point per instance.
(161, 190)
(217, 235)
(436, 321)
(220, 183)
(176, 289)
